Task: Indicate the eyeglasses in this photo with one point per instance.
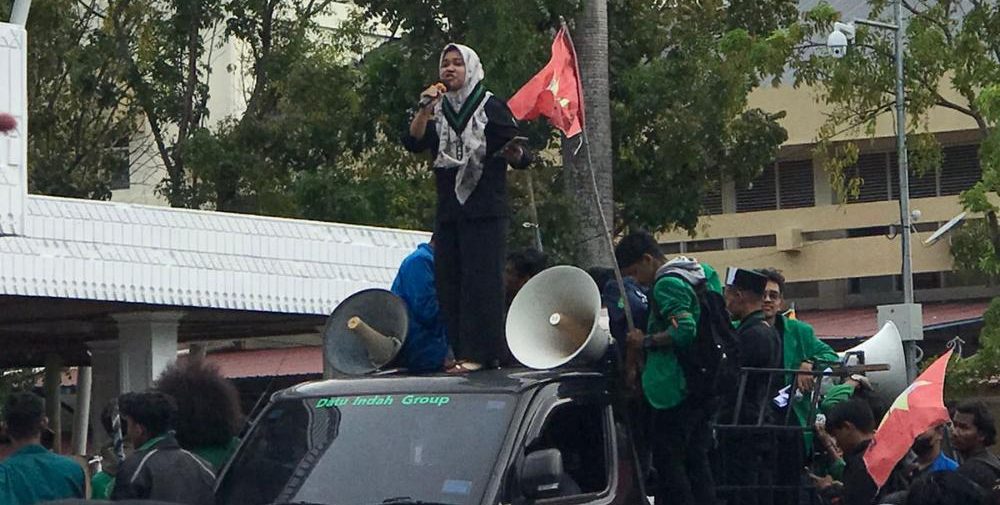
(772, 295)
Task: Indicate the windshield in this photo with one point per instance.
(362, 450)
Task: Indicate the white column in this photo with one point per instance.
(81, 418)
(147, 344)
(14, 144)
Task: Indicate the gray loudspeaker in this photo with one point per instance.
(365, 332)
(883, 348)
(554, 320)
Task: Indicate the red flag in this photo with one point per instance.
(917, 409)
(555, 92)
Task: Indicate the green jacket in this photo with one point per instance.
(799, 343)
(677, 314)
(35, 474)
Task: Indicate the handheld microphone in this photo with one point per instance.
(426, 100)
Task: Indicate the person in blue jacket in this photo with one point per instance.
(426, 345)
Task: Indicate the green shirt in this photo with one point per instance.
(217, 455)
(678, 310)
(34, 474)
(101, 485)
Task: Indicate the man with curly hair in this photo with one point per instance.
(208, 409)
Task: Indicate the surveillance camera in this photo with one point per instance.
(837, 44)
(842, 34)
(915, 215)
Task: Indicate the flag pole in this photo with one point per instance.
(609, 239)
(533, 211)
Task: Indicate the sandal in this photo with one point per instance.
(461, 367)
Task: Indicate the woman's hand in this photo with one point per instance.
(431, 96)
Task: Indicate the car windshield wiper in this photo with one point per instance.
(406, 500)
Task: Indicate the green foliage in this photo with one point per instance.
(973, 374)
(679, 97)
(973, 251)
(15, 380)
(319, 136)
(948, 45)
(78, 109)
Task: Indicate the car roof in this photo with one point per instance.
(504, 380)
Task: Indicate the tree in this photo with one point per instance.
(976, 373)
(591, 43)
(681, 75)
(81, 119)
(952, 58)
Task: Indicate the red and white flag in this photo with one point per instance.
(917, 409)
(555, 92)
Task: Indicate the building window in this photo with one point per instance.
(927, 280)
(795, 184)
(801, 290)
(784, 185)
(872, 285)
(873, 170)
(120, 174)
(711, 203)
(671, 248)
(757, 241)
(760, 194)
(704, 245)
(960, 169)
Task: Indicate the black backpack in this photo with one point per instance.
(711, 364)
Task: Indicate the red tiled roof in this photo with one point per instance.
(307, 360)
(863, 321)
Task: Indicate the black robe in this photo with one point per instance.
(470, 240)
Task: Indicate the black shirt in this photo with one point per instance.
(759, 348)
(982, 467)
(489, 199)
(858, 487)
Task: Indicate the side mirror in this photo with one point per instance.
(541, 473)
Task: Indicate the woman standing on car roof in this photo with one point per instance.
(469, 133)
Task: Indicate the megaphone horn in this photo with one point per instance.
(554, 320)
(365, 332)
(381, 349)
(883, 348)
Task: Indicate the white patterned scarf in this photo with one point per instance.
(461, 125)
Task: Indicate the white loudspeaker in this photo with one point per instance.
(555, 320)
(885, 347)
(365, 332)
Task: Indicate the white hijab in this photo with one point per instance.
(466, 151)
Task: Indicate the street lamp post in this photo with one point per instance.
(908, 316)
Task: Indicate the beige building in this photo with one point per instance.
(844, 255)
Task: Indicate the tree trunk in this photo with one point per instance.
(591, 40)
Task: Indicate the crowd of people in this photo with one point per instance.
(720, 445)
(174, 439)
